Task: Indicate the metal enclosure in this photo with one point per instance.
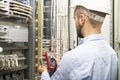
(17, 37)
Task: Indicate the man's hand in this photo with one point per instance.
(57, 59)
(41, 69)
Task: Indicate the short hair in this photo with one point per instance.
(93, 16)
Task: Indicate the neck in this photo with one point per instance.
(91, 30)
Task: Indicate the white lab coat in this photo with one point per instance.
(94, 59)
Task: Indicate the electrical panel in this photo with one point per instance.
(16, 47)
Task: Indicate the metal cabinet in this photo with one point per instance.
(17, 30)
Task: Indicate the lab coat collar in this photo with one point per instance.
(91, 38)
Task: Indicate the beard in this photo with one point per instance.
(79, 31)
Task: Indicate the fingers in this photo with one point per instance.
(42, 68)
(55, 55)
(57, 59)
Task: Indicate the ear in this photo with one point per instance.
(82, 19)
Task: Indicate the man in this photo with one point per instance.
(93, 59)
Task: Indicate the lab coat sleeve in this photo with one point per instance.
(45, 76)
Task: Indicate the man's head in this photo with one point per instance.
(88, 21)
(89, 15)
